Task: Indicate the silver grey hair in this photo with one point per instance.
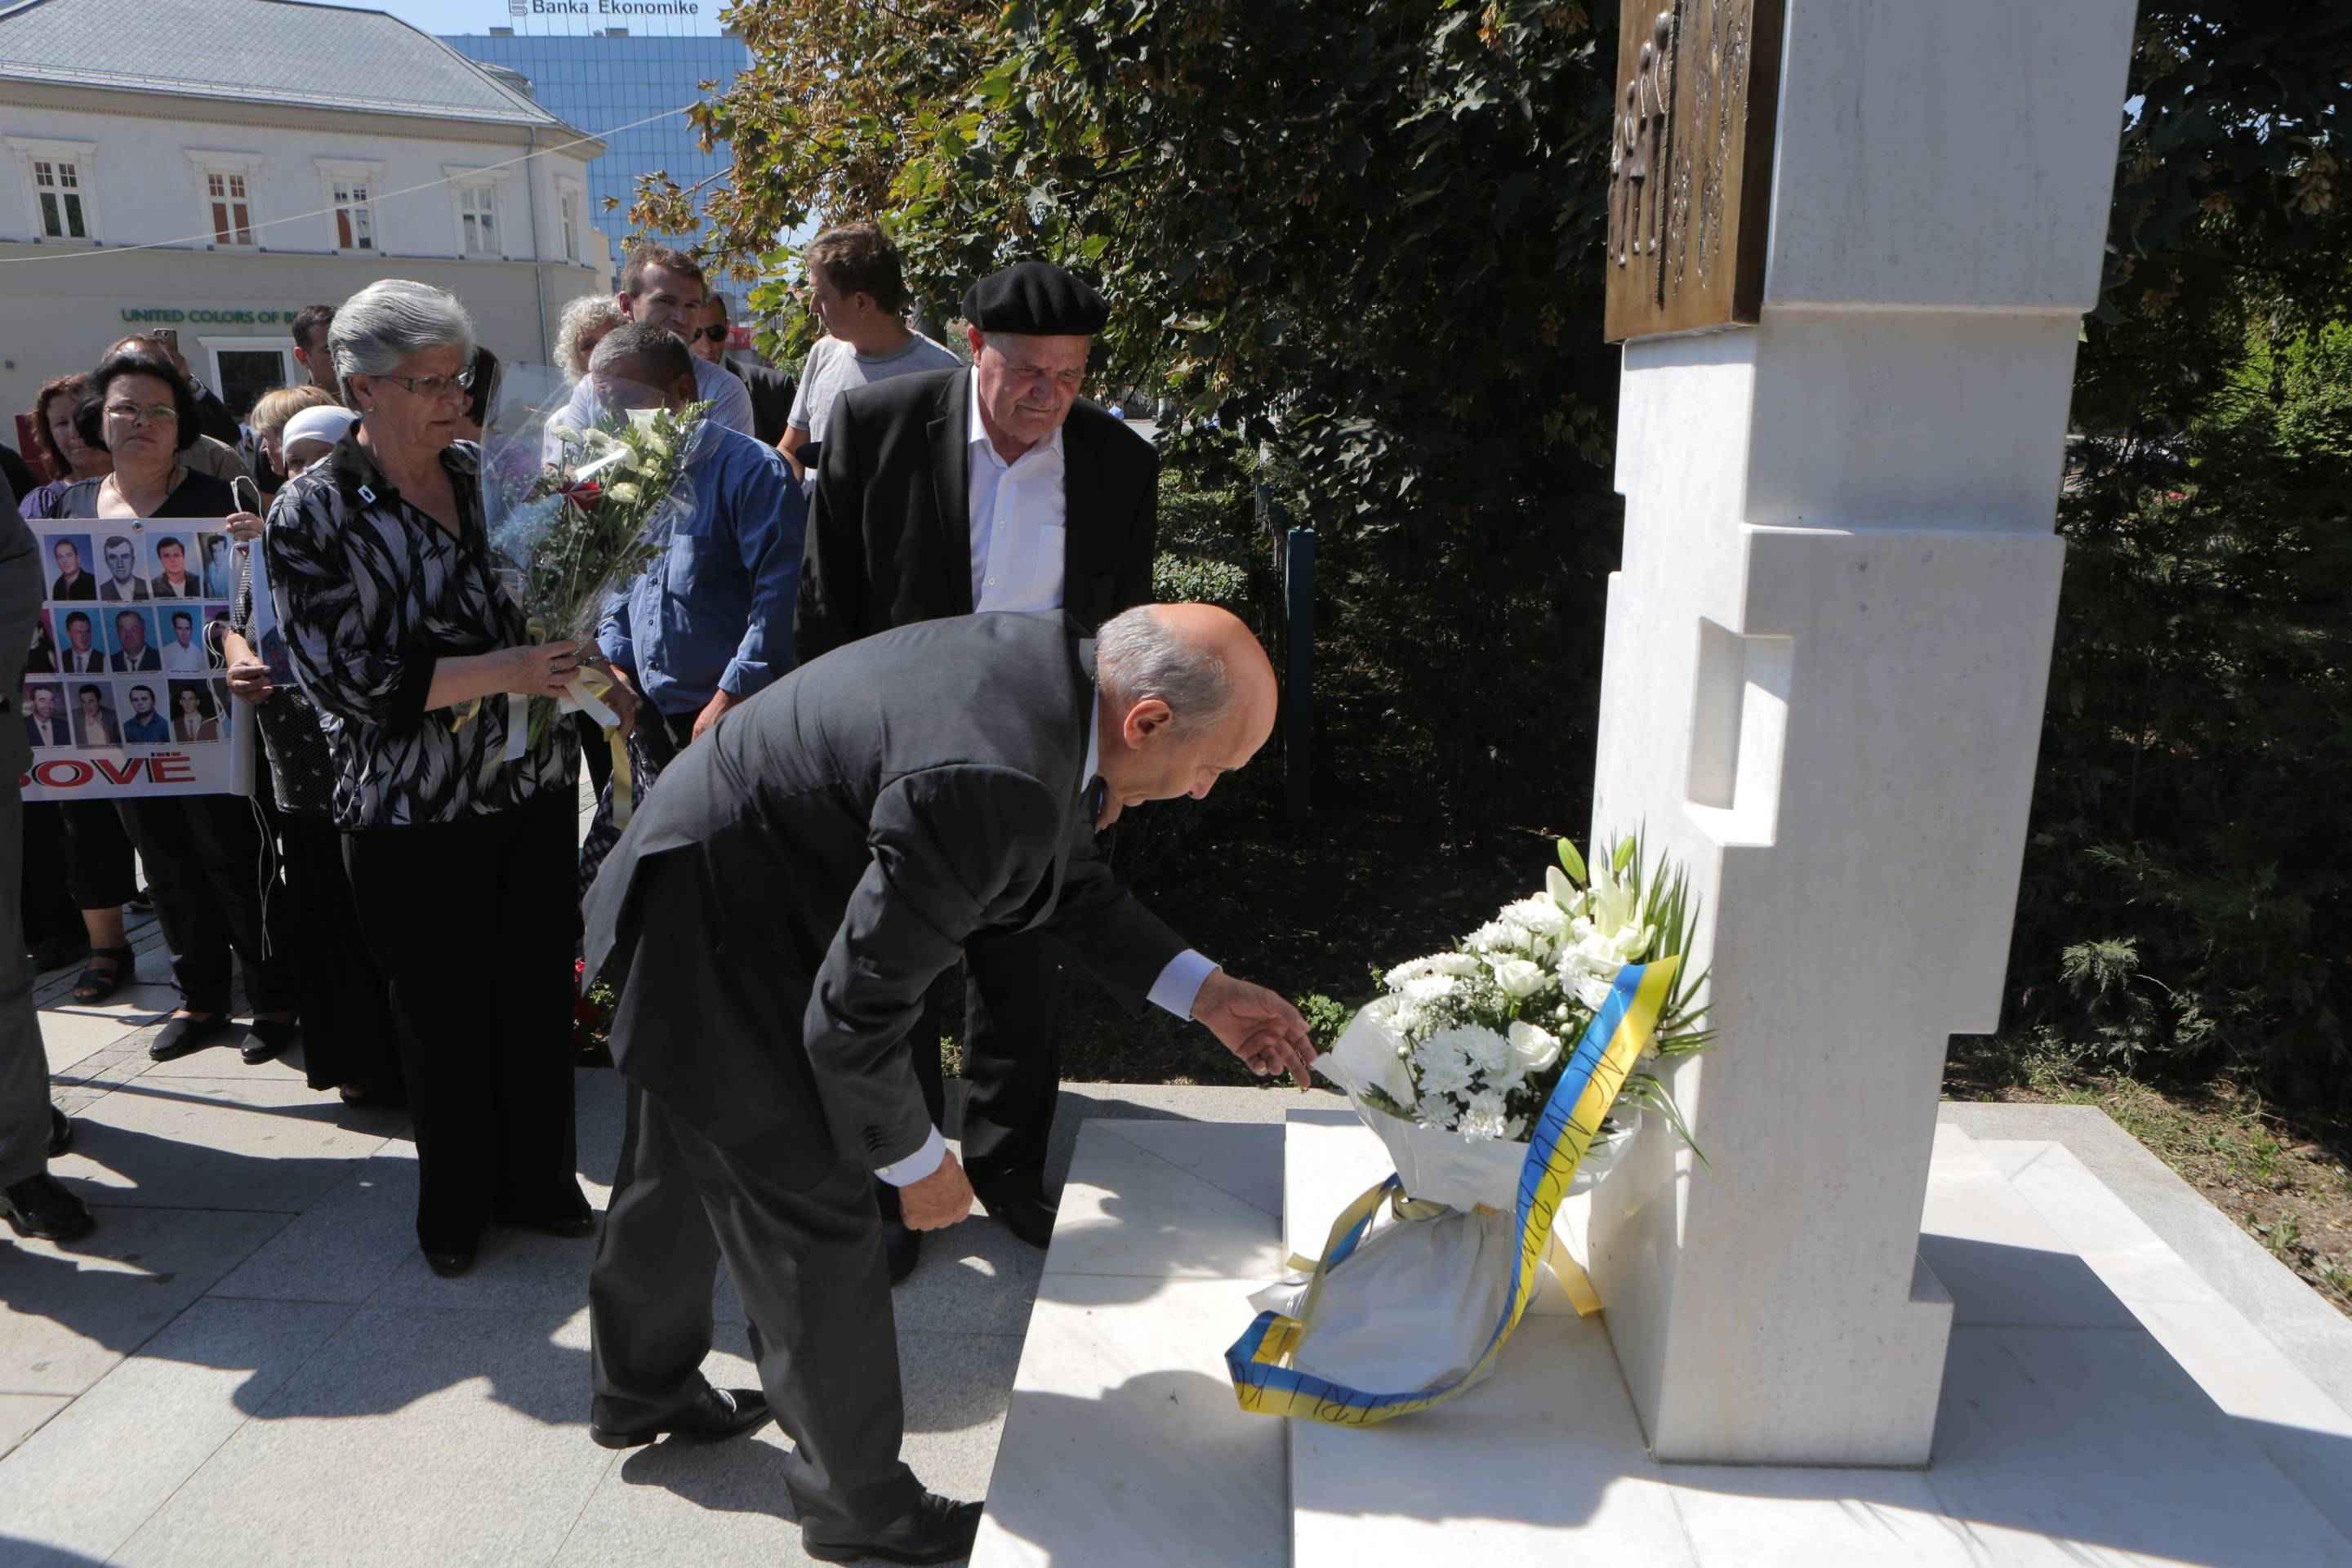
(386, 321)
(589, 313)
(1136, 657)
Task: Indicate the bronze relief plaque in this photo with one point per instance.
(1690, 163)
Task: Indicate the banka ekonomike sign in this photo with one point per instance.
(604, 8)
(1690, 164)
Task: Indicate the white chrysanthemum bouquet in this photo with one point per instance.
(1455, 1062)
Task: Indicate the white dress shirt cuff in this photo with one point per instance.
(906, 1172)
(1181, 982)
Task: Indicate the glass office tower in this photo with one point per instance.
(599, 81)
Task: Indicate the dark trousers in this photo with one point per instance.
(808, 1266)
(212, 873)
(47, 906)
(475, 927)
(23, 1063)
(347, 1029)
(1015, 986)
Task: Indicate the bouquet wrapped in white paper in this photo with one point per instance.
(1452, 1064)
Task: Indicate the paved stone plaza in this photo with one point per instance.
(249, 1362)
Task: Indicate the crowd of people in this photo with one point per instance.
(404, 890)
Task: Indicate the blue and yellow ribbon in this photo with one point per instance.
(1261, 1362)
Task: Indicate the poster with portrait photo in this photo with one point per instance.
(131, 644)
(97, 720)
(121, 565)
(177, 567)
(219, 553)
(121, 630)
(216, 623)
(71, 565)
(48, 726)
(181, 628)
(199, 712)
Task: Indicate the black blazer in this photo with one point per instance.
(889, 529)
(781, 904)
(772, 399)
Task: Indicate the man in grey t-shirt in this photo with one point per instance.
(857, 290)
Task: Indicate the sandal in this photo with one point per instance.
(94, 984)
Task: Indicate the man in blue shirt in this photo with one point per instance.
(145, 724)
(710, 624)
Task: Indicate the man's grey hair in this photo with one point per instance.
(1136, 657)
(589, 313)
(658, 349)
(378, 327)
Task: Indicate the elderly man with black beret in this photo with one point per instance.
(963, 492)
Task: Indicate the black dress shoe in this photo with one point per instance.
(901, 1249)
(716, 1414)
(40, 1207)
(183, 1035)
(1026, 1213)
(61, 1132)
(268, 1040)
(569, 1218)
(936, 1530)
(448, 1264)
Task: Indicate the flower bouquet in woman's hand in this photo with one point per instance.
(599, 511)
(1453, 1064)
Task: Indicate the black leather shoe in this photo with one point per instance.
(61, 1132)
(936, 1530)
(448, 1264)
(901, 1249)
(40, 1207)
(715, 1416)
(1027, 1213)
(569, 1218)
(183, 1036)
(268, 1040)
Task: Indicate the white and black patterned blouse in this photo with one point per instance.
(371, 592)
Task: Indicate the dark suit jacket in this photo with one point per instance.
(91, 663)
(125, 664)
(889, 531)
(772, 399)
(782, 901)
(20, 606)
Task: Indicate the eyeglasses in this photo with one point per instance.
(154, 414)
(715, 335)
(435, 385)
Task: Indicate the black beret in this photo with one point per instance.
(1034, 297)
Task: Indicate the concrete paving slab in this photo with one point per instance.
(415, 1436)
(155, 1419)
(68, 1316)
(2316, 1336)
(240, 1143)
(72, 1037)
(1129, 1210)
(344, 1247)
(21, 1415)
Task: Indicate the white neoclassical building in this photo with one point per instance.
(215, 166)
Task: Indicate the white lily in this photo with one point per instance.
(1563, 893)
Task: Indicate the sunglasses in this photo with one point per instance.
(715, 335)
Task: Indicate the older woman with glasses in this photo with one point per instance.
(200, 851)
(461, 861)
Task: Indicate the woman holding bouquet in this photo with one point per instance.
(460, 859)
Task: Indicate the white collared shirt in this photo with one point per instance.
(1174, 992)
(1018, 514)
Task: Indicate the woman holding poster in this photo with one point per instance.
(202, 852)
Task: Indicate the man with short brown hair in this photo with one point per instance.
(857, 290)
(664, 288)
(310, 350)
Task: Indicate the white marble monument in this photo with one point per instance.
(1827, 651)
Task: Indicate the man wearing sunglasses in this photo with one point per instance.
(772, 390)
(662, 288)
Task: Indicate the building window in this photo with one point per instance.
(354, 214)
(58, 184)
(232, 212)
(477, 219)
(570, 207)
